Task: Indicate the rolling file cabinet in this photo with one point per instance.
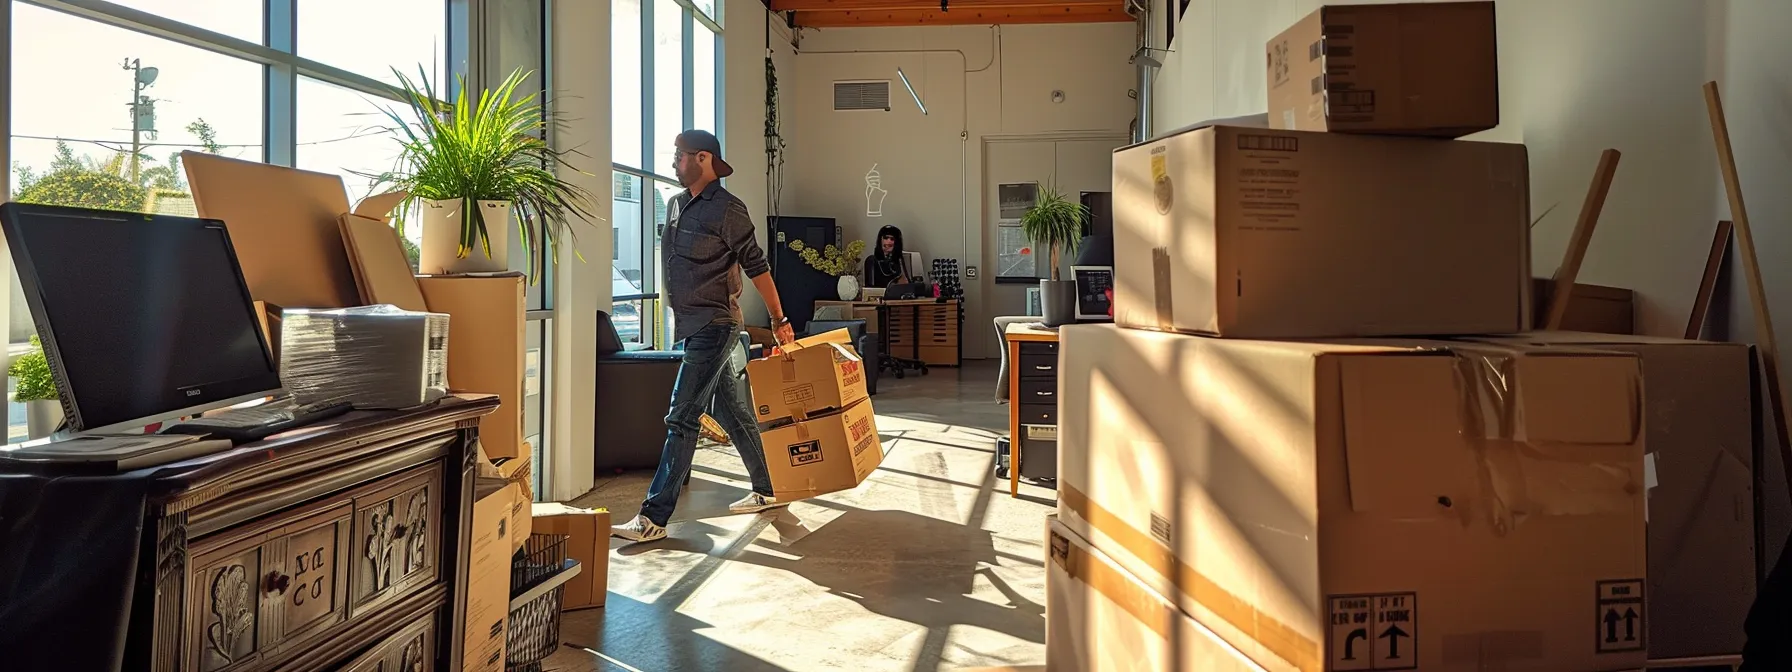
(1032, 403)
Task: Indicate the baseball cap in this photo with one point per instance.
(704, 141)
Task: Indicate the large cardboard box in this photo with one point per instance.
(1254, 233)
(486, 327)
(487, 602)
(1595, 308)
(812, 376)
(1098, 618)
(823, 454)
(1699, 413)
(1369, 505)
(1409, 69)
(588, 532)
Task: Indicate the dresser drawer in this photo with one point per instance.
(411, 649)
(1039, 366)
(1038, 392)
(1039, 414)
(397, 537)
(1039, 348)
(254, 594)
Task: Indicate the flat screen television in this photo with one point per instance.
(143, 318)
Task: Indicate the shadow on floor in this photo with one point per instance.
(649, 637)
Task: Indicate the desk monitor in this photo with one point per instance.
(143, 318)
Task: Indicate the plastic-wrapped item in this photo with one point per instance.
(374, 357)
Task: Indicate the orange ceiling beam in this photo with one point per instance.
(954, 5)
(958, 14)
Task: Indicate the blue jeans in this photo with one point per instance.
(707, 380)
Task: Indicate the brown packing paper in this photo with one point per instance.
(485, 328)
(1311, 484)
(588, 532)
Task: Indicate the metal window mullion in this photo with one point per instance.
(688, 41)
(718, 68)
(647, 129)
(549, 284)
(465, 58)
(280, 84)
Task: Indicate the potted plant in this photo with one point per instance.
(1055, 222)
(475, 168)
(837, 263)
(37, 391)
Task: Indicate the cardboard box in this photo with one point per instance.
(1254, 233)
(1098, 618)
(1592, 308)
(488, 576)
(1699, 413)
(1367, 505)
(823, 454)
(486, 327)
(588, 532)
(814, 375)
(1409, 69)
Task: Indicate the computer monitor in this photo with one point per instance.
(143, 318)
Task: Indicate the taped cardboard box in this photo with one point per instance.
(1699, 415)
(824, 453)
(1099, 618)
(588, 541)
(487, 602)
(486, 327)
(1408, 69)
(812, 376)
(1367, 505)
(1255, 233)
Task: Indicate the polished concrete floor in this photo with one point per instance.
(928, 565)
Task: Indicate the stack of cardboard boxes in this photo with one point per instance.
(820, 433)
(1387, 486)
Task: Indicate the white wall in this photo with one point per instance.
(982, 82)
(744, 114)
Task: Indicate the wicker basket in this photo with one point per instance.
(538, 576)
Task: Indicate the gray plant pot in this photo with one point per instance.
(1058, 298)
(42, 417)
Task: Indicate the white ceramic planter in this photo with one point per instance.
(42, 417)
(848, 288)
(440, 251)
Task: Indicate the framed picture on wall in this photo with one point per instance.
(1015, 260)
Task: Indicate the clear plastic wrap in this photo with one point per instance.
(374, 357)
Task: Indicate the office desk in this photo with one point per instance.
(1033, 358)
(923, 330)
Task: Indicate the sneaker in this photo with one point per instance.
(638, 530)
(754, 503)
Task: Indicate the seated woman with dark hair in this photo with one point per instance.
(885, 265)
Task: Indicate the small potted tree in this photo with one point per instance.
(1056, 223)
(473, 169)
(37, 391)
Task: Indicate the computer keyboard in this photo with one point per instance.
(242, 425)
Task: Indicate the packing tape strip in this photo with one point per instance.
(1109, 582)
(1273, 635)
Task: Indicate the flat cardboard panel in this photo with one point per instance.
(1698, 413)
(589, 543)
(1253, 233)
(283, 224)
(382, 273)
(487, 602)
(1410, 69)
(823, 454)
(485, 348)
(1101, 619)
(1282, 490)
(1591, 308)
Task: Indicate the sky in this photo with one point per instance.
(69, 80)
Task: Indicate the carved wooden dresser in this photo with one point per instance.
(335, 547)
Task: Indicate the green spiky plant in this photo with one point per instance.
(489, 149)
(1056, 222)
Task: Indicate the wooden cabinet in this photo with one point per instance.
(927, 331)
(340, 550)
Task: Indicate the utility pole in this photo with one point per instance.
(143, 112)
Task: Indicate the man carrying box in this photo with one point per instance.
(708, 243)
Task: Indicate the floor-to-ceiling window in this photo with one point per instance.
(105, 95)
(665, 74)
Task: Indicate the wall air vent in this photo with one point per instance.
(862, 95)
